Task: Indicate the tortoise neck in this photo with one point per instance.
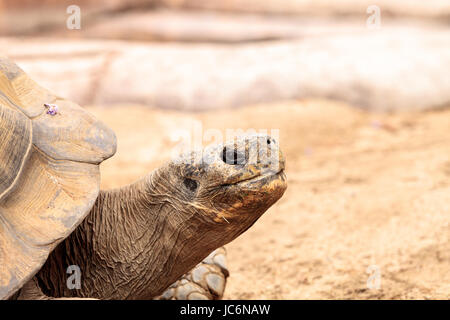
(133, 244)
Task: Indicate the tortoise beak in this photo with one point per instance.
(250, 157)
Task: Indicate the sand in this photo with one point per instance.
(368, 198)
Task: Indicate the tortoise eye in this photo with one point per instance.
(233, 156)
(190, 184)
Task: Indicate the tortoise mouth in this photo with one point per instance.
(265, 180)
(259, 179)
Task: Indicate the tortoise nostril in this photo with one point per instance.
(232, 156)
(268, 141)
(190, 184)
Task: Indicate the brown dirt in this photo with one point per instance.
(364, 190)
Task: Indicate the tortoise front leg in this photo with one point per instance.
(206, 281)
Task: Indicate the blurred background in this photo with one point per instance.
(360, 92)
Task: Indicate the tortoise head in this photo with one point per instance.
(229, 184)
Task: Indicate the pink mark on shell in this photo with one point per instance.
(52, 109)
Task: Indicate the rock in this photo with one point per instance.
(39, 17)
(394, 68)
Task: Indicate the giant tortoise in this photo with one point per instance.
(156, 238)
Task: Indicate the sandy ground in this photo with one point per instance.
(368, 195)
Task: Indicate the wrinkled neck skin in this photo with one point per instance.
(135, 242)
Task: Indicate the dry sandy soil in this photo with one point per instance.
(365, 192)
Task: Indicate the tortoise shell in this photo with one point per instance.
(49, 172)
